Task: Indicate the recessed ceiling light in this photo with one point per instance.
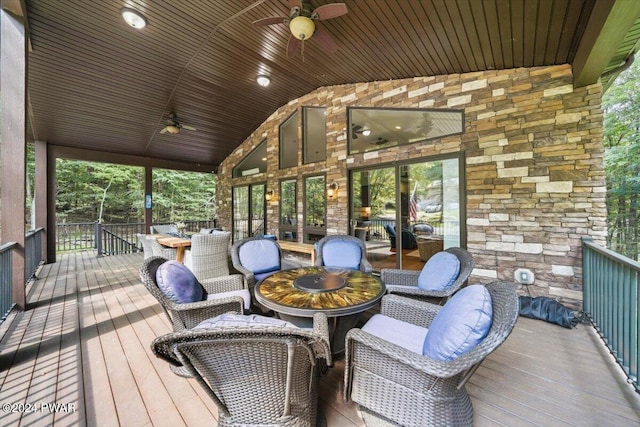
(263, 80)
(398, 127)
(133, 18)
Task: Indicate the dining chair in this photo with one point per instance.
(208, 255)
(441, 276)
(170, 229)
(258, 370)
(151, 247)
(409, 364)
(342, 251)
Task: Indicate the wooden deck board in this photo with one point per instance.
(86, 342)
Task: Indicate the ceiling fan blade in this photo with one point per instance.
(325, 39)
(295, 3)
(292, 46)
(187, 127)
(269, 21)
(328, 11)
(164, 130)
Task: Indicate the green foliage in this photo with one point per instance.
(90, 191)
(622, 141)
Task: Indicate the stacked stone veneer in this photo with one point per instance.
(534, 165)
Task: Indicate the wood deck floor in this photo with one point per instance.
(84, 345)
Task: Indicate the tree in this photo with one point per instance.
(621, 104)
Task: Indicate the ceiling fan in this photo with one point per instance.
(380, 141)
(173, 125)
(301, 22)
(359, 130)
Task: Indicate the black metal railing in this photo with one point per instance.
(610, 294)
(109, 239)
(32, 252)
(6, 277)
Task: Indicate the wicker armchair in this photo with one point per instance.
(186, 316)
(405, 282)
(151, 247)
(256, 375)
(257, 257)
(396, 386)
(330, 252)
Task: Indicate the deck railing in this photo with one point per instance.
(610, 294)
(6, 276)
(32, 252)
(108, 239)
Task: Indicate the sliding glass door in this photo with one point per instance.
(407, 212)
(249, 211)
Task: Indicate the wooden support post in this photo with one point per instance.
(148, 198)
(41, 194)
(13, 49)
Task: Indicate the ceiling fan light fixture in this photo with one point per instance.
(302, 27)
(263, 80)
(366, 132)
(133, 18)
(172, 129)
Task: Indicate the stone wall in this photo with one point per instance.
(534, 165)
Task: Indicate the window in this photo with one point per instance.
(314, 136)
(249, 213)
(288, 211)
(289, 142)
(255, 162)
(315, 211)
(373, 129)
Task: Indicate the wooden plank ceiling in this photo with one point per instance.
(96, 83)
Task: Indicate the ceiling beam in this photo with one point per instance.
(126, 159)
(608, 24)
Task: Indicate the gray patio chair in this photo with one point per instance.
(225, 293)
(257, 373)
(406, 282)
(258, 257)
(387, 374)
(342, 251)
(151, 247)
(170, 229)
(208, 255)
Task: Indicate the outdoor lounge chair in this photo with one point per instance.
(224, 294)
(401, 367)
(257, 370)
(436, 282)
(258, 257)
(408, 238)
(342, 251)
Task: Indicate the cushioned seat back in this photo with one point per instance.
(260, 256)
(440, 271)
(460, 325)
(342, 254)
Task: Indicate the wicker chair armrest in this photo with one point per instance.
(384, 351)
(186, 316)
(215, 285)
(392, 276)
(322, 347)
(249, 277)
(420, 313)
(366, 266)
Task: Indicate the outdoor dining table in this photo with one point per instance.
(180, 243)
(342, 294)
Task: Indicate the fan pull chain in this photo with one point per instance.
(302, 50)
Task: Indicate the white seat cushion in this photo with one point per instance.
(397, 332)
(244, 293)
